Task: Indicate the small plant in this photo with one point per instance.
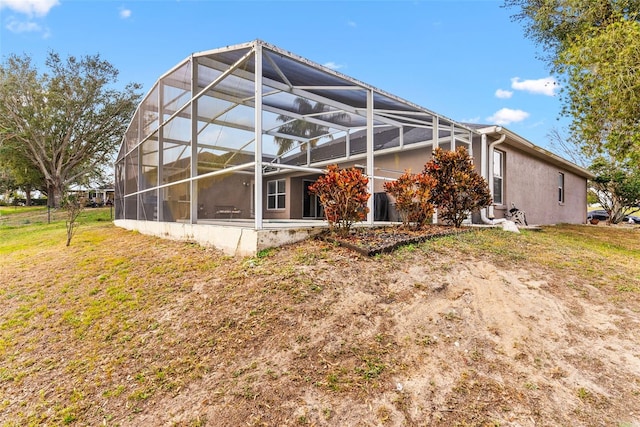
(583, 393)
(373, 369)
(327, 413)
(459, 189)
(264, 253)
(73, 206)
(412, 193)
(343, 194)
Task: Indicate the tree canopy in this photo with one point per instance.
(603, 90)
(616, 186)
(594, 47)
(555, 24)
(17, 172)
(65, 123)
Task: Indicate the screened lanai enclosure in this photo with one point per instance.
(235, 135)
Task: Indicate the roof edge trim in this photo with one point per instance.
(532, 148)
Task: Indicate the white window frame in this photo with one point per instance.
(274, 193)
(499, 177)
(561, 187)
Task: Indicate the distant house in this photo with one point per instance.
(224, 146)
(94, 197)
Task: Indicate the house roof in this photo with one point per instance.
(518, 142)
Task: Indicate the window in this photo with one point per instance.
(276, 191)
(560, 187)
(498, 173)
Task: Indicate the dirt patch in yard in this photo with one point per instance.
(480, 328)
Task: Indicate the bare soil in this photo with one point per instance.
(377, 240)
(484, 328)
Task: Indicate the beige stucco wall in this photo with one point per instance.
(215, 193)
(393, 165)
(530, 182)
(532, 185)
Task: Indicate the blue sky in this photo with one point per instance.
(463, 59)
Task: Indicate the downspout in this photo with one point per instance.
(487, 158)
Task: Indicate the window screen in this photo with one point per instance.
(498, 169)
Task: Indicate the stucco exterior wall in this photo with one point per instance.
(224, 193)
(532, 185)
(393, 165)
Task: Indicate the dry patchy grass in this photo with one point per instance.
(481, 328)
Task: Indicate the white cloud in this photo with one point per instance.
(333, 65)
(546, 86)
(125, 13)
(29, 7)
(16, 26)
(352, 24)
(506, 116)
(503, 94)
(471, 120)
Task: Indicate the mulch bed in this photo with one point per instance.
(375, 240)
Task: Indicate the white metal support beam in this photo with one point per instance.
(279, 71)
(160, 193)
(138, 155)
(453, 137)
(347, 145)
(370, 165)
(193, 217)
(240, 169)
(436, 132)
(258, 130)
(436, 144)
(195, 95)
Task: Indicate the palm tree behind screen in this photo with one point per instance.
(303, 128)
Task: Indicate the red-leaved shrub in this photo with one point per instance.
(343, 194)
(459, 189)
(412, 193)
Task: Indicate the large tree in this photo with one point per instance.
(602, 92)
(66, 122)
(555, 24)
(616, 186)
(7, 182)
(594, 47)
(18, 173)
